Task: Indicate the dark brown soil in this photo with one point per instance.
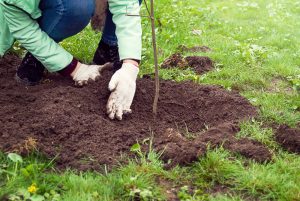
(289, 138)
(200, 64)
(182, 151)
(175, 60)
(70, 123)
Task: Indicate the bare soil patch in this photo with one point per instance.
(71, 123)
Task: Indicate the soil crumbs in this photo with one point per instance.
(71, 123)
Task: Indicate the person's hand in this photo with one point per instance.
(83, 73)
(122, 86)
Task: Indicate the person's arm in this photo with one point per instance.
(128, 28)
(129, 34)
(27, 31)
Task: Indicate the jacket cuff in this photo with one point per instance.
(69, 69)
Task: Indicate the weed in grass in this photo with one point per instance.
(29, 145)
(17, 160)
(22, 178)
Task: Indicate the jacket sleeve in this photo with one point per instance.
(6, 39)
(27, 31)
(128, 28)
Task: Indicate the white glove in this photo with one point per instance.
(122, 86)
(83, 73)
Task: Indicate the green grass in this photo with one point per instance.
(136, 179)
(255, 47)
(278, 180)
(254, 130)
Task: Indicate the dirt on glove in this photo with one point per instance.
(70, 123)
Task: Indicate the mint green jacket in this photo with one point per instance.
(18, 22)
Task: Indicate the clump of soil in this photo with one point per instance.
(177, 149)
(289, 138)
(250, 149)
(225, 135)
(200, 64)
(175, 60)
(71, 123)
(182, 151)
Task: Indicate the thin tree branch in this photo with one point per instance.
(155, 58)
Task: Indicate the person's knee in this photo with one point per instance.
(80, 8)
(68, 18)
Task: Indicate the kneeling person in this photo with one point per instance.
(39, 25)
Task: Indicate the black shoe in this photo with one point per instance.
(106, 53)
(30, 72)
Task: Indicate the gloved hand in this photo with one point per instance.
(122, 86)
(83, 73)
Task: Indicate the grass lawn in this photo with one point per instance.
(256, 49)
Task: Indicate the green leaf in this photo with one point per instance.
(146, 194)
(53, 192)
(24, 193)
(37, 198)
(31, 167)
(135, 148)
(25, 172)
(95, 194)
(13, 197)
(15, 157)
(47, 195)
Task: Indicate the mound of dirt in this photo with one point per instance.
(200, 64)
(71, 123)
(289, 138)
(175, 60)
(182, 151)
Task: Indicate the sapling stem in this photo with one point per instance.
(155, 58)
(151, 15)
